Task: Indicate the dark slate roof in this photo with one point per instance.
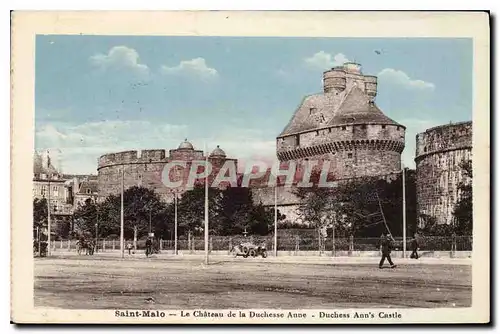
(88, 185)
(302, 120)
(351, 107)
(357, 108)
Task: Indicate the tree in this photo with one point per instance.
(355, 206)
(463, 209)
(85, 217)
(39, 217)
(140, 204)
(40, 213)
(191, 209)
(238, 212)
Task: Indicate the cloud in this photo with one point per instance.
(195, 67)
(81, 145)
(120, 57)
(401, 78)
(323, 60)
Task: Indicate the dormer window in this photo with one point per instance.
(88, 191)
(312, 111)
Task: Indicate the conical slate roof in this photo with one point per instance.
(357, 108)
(322, 110)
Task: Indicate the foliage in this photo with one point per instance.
(231, 211)
(462, 212)
(39, 212)
(353, 206)
(140, 204)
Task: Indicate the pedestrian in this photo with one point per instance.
(386, 245)
(414, 247)
(129, 247)
(149, 243)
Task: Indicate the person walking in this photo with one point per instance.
(386, 246)
(414, 247)
(129, 247)
(149, 245)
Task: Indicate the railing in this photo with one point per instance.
(288, 243)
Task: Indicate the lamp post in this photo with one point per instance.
(49, 227)
(175, 222)
(404, 212)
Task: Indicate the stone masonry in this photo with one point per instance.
(439, 152)
(145, 168)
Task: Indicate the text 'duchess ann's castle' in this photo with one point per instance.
(342, 125)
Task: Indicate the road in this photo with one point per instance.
(83, 282)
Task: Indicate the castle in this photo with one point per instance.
(439, 152)
(342, 125)
(144, 168)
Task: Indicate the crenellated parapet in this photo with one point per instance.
(338, 146)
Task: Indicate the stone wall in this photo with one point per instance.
(145, 169)
(439, 152)
(354, 150)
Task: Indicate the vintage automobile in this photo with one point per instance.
(247, 249)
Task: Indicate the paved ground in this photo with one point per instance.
(168, 282)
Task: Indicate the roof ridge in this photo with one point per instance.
(297, 109)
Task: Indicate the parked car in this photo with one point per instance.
(247, 249)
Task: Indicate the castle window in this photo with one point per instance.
(312, 110)
(88, 191)
(343, 128)
(297, 140)
(349, 155)
(383, 126)
(330, 130)
(425, 149)
(317, 133)
(363, 126)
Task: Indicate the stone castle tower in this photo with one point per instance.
(344, 125)
(144, 168)
(439, 152)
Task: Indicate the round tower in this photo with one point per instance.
(334, 80)
(439, 153)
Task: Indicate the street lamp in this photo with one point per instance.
(175, 222)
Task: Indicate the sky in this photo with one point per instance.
(101, 94)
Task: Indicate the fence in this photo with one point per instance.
(288, 243)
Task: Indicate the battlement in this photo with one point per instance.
(340, 78)
(130, 157)
(357, 133)
(443, 138)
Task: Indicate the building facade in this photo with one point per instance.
(63, 192)
(439, 153)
